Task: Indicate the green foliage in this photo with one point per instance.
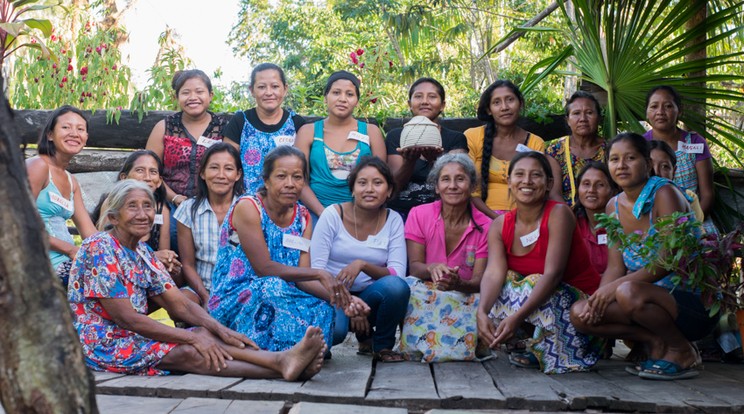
(18, 31)
(704, 263)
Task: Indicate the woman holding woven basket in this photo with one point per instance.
(413, 149)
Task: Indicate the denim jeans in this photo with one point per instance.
(388, 299)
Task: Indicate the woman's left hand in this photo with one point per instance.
(450, 281)
(599, 301)
(233, 338)
(506, 329)
(348, 274)
(169, 258)
(359, 325)
(357, 307)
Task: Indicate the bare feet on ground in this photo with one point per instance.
(302, 356)
(314, 366)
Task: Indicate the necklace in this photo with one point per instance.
(353, 213)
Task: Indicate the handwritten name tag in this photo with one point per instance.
(523, 148)
(284, 140)
(206, 142)
(531, 238)
(296, 242)
(601, 239)
(359, 137)
(690, 148)
(377, 242)
(158, 219)
(60, 201)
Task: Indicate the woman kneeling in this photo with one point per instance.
(113, 276)
(634, 302)
(538, 266)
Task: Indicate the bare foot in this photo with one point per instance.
(685, 356)
(294, 361)
(315, 365)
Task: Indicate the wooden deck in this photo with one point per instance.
(412, 387)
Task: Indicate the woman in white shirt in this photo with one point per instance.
(362, 244)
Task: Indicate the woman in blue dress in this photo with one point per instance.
(263, 285)
(259, 130)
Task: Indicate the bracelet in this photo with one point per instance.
(173, 200)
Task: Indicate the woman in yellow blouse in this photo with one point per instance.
(498, 141)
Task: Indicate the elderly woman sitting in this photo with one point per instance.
(447, 244)
(113, 276)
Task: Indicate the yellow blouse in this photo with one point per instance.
(498, 189)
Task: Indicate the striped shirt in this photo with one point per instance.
(206, 234)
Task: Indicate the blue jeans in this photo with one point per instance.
(388, 299)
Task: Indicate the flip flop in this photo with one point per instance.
(639, 367)
(663, 370)
(524, 360)
(389, 356)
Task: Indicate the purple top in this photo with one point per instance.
(695, 138)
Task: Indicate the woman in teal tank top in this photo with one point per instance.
(333, 145)
(57, 193)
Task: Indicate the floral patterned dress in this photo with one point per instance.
(272, 312)
(103, 268)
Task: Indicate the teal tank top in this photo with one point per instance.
(55, 210)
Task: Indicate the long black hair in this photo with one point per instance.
(578, 208)
(202, 191)
(484, 105)
(45, 146)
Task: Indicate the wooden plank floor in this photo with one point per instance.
(492, 385)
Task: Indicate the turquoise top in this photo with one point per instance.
(54, 216)
(328, 188)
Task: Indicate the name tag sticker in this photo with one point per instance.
(296, 242)
(523, 148)
(690, 148)
(158, 219)
(359, 137)
(530, 239)
(60, 201)
(206, 142)
(601, 239)
(284, 140)
(377, 242)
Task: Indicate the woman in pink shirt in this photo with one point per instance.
(447, 243)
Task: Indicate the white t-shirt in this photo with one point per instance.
(333, 248)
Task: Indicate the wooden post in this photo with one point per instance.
(41, 363)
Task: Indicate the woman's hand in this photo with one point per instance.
(359, 325)
(486, 329)
(411, 154)
(214, 354)
(339, 295)
(357, 308)
(451, 280)
(348, 274)
(506, 329)
(169, 258)
(431, 154)
(72, 251)
(598, 302)
(233, 338)
(439, 271)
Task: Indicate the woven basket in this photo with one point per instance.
(420, 131)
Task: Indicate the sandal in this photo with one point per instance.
(389, 356)
(524, 360)
(519, 346)
(663, 370)
(639, 367)
(365, 348)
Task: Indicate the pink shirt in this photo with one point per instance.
(424, 225)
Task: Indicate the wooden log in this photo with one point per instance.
(41, 360)
(554, 127)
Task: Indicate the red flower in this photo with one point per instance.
(113, 67)
(84, 70)
(98, 49)
(361, 65)
(390, 62)
(354, 58)
(82, 99)
(69, 68)
(54, 66)
(373, 100)
(64, 79)
(360, 51)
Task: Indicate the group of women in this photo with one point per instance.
(270, 239)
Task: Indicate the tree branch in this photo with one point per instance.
(530, 23)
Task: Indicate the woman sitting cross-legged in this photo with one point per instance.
(447, 252)
(634, 302)
(538, 266)
(113, 276)
(262, 285)
(361, 242)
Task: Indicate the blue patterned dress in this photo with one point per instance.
(272, 312)
(255, 144)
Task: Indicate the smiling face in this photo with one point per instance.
(136, 215)
(662, 164)
(594, 190)
(371, 190)
(583, 118)
(69, 134)
(528, 181)
(220, 173)
(504, 106)
(145, 169)
(194, 97)
(627, 165)
(426, 101)
(662, 112)
(268, 90)
(453, 185)
(286, 180)
(341, 98)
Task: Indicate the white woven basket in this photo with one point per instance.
(420, 131)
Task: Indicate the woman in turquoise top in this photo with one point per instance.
(57, 193)
(334, 144)
(632, 301)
